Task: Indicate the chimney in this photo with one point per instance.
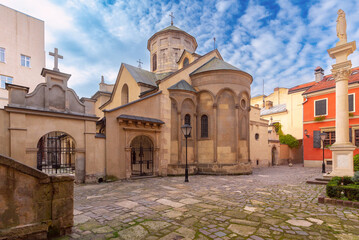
(319, 74)
(102, 84)
(269, 104)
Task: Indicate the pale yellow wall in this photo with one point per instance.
(102, 99)
(259, 149)
(21, 34)
(133, 89)
(292, 120)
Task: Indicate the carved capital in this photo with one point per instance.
(341, 74)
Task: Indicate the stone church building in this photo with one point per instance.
(133, 128)
(142, 118)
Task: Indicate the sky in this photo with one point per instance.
(279, 42)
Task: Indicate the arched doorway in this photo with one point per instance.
(274, 156)
(56, 153)
(142, 156)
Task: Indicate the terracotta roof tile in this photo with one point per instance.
(301, 87)
(328, 82)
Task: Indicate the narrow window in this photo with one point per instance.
(25, 61)
(5, 79)
(320, 107)
(154, 62)
(185, 62)
(124, 95)
(2, 54)
(351, 102)
(204, 126)
(187, 120)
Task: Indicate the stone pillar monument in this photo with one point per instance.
(342, 149)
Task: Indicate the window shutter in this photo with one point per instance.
(321, 107)
(350, 135)
(316, 139)
(351, 101)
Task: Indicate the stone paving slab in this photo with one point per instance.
(273, 203)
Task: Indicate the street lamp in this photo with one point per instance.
(186, 130)
(322, 137)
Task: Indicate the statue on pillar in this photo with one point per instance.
(341, 27)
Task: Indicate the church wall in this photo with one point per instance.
(4, 133)
(118, 136)
(99, 102)
(226, 128)
(175, 130)
(205, 145)
(188, 107)
(133, 90)
(190, 57)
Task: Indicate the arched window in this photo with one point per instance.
(154, 62)
(187, 120)
(204, 126)
(124, 94)
(185, 62)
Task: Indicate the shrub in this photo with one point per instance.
(288, 139)
(356, 177)
(349, 189)
(356, 163)
(319, 118)
(278, 128)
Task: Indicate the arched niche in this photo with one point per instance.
(124, 94)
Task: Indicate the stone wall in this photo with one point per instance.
(33, 205)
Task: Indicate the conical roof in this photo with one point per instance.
(182, 85)
(215, 64)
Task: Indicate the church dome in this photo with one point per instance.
(166, 46)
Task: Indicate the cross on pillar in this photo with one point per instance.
(139, 63)
(56, 59)
(172, 17)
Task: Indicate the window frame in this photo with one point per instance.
(4, 52)
(207, 127)
(331, 139)
(326, 107)
(353, 102)
(5, 81)
(27, 59)
(354, 138)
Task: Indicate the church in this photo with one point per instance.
(133, 128)
(143, 115)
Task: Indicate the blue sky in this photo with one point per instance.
(280, 42)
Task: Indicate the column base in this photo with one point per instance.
(342, 155)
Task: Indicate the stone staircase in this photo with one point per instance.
(319, 181)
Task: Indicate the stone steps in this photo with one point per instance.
(319, 181)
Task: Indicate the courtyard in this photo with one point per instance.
(273, 203)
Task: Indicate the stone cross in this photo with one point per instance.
(56, 59)
(172, 17)
(139, 63)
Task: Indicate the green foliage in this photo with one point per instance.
(356, 177)
(356, 163)
(288, 139)
(319, 118)
(351, 114)
(278, 128)
(349, 189)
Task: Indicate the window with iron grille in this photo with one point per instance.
(320, 107)
(357, 138)
(204, 126)
(330, 138)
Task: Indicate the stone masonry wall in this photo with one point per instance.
(33, 205)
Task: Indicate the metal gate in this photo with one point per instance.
(142, 161)
(56, 153)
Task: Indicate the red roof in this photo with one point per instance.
(301, 87)
(328, 82)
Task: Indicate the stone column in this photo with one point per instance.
(342, 149)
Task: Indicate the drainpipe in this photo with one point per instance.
(306, 100)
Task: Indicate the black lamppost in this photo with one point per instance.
(322, 137)
(186, 130)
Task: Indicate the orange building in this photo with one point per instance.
(319, 116)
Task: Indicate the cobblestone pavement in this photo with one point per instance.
(273, 203)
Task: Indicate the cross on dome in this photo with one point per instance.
(56, 59)
(172, 17)
(139, 63)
